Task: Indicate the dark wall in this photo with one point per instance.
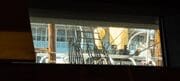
(172, 32)
(15, 32)
(47, 72)
(123, 7)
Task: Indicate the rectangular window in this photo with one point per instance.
(39, 33)
(61, 35)
(90, 42)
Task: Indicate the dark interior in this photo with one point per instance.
(14, 17)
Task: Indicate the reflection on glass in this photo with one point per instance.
(102, 45)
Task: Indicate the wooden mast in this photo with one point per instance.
(51, 43)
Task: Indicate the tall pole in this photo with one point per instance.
(51, 43)
(158, 46)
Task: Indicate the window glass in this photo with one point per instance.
(125, 44)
